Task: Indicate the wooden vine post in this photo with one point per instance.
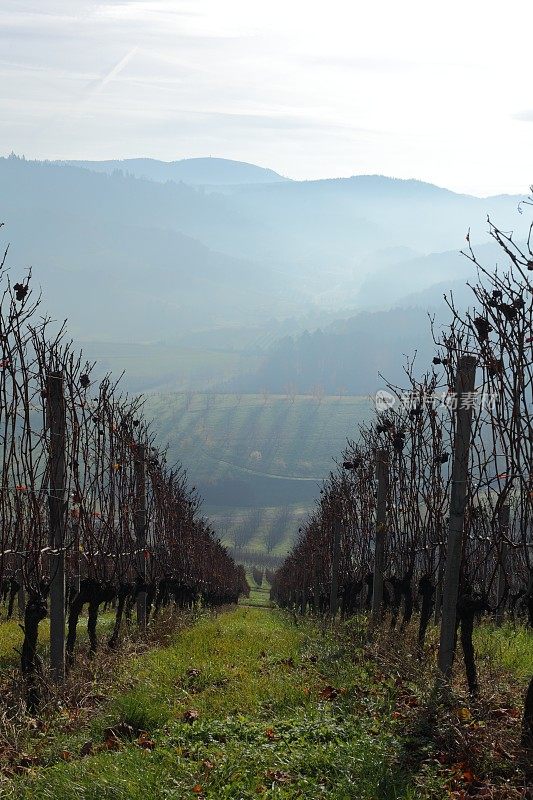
(465, 384)
(334, 594)
(21, 597)
(382, 475)
(503, 520)
(57, 509)
(316, 583)
(140, 530)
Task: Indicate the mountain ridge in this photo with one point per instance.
(208, 171)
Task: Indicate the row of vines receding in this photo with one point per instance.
(429, 515)
(91, 512)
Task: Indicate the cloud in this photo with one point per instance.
(376, 64)
(524, 116)
(382, 63)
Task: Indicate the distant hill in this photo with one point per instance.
(390, 282)
(194, 171)
(346, 357)
(129, 259)
(125, 259)
(375, 212)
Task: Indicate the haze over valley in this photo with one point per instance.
(255, 311)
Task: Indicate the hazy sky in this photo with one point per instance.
(441, 91)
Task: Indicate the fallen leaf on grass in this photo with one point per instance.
(120, 731)
(145, 741)
(468, 776)
(190, 716)
(197, 788)
(278, 776)
(22, 765)
(464, 714)
(329, 693)
(462, 772)
(503, 713)
(112, 743)
(65, 755)
(287, 662)
(86, 749)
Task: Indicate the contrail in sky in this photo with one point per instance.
(90, 90)
(116, 70)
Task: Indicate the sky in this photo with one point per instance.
(439, 91)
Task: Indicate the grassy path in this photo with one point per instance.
(242, 705)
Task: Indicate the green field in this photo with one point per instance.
(167, 367)
(258, 460)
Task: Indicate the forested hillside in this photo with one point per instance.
(162, 258)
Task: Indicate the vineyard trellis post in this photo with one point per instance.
(382, 474)
(316, 583)
(21, 596)
(465, 383)
(503, 524)
(56, 499)
(334, 595)
(140, 530)
(438, 589)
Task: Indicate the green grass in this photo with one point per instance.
(265, 725)
(510, 646)
(259, 595)
(11, 637)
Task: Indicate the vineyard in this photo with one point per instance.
(256, 459)
(317, 683)
(431, 508)
(92, 513)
